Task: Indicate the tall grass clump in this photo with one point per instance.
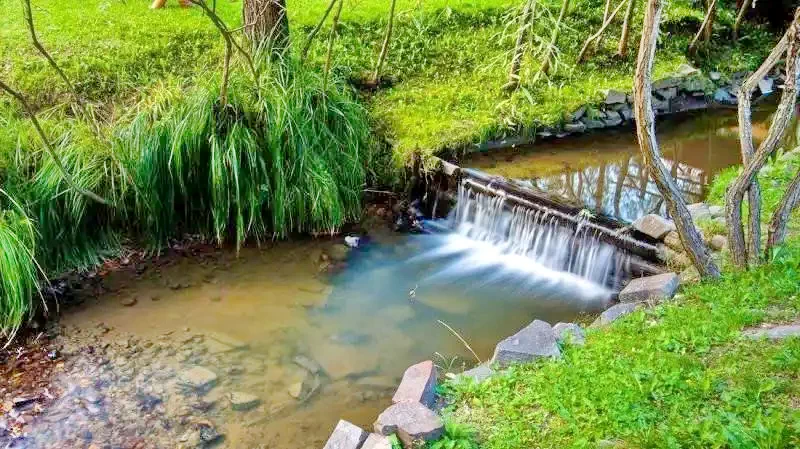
(19, 272)
(286, 156)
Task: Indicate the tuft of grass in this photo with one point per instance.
(19, 272)
(287, 157)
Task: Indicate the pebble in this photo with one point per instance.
(128, 302)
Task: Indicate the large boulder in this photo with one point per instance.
(651, 288)
(411, 421)
(615, 312)
(569, 333)
(418, 385)
(346, 436)
(533, 342)
(654, 226)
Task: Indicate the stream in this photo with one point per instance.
(270, 347)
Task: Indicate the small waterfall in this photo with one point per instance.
(539, 235)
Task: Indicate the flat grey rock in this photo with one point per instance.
(533, 342)
(575, 127)
(667, 93)
(651, 288)
(375, 441)
(613, 120)
(766, 86)
(615, 312)
(411, 421)
(774, 333)
(593, 124)
(615, 97)
(418, 385)
(346, 436)
(569, 333)
(654, 226)
(478, 374)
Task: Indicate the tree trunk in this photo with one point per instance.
(622, 50)
(519, 47)
(606, 13)
(709, 28)
(645, 129)
(548, 54)
(740, 18)
(316, 29)
(780, 123)
(331, 40)
(266, 24)
(753, 250)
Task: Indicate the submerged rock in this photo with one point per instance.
(307, 363)
(243, 401)
(418, 385)
(198, 378)
(411, 421)
(346, 436)
(533, 342)
(569, 333)
(128, 302)
(650, 288)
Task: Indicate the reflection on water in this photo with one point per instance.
(246, 320)
(605, 171)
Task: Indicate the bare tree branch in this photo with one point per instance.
(622, 49)
(740, 18)
(331, 39)
(712, 10)
(519, 45)
(548, 53)
(316, 29)
(385, 46)
(748, 149)
(594, 37)
(48, 147)
(645, 128)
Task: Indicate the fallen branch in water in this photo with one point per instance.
(464, 342)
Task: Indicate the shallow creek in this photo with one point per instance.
(361, 316)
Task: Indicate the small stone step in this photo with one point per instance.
(774, 333)
(418, 385)
(651, 288)
(615, 312)
(533, 342)
(654, 226)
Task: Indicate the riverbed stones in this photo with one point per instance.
(340, 362)
(376, 441)
(346, 436)
(411, 421)
(651, 288)
(569, 333)
(418, 385)
(615, 312)
(198, 378)
(218, 343)
(241, 401)
(307, 363)
(654, 226)
(774, 333)
(532, 342)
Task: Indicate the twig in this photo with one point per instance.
(316, 29)
(385, 46)
(331, 39)
(582, 55)
(48, 147)
(516, 57)
(464, 342)
(545, 69)
(740, 19)
(710, 13)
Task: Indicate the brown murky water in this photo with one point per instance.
(604, 171)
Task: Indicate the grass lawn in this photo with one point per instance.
(674, 376)
(448, 59)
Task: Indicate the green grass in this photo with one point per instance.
(677, 375)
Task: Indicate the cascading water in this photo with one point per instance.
(525, 249)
